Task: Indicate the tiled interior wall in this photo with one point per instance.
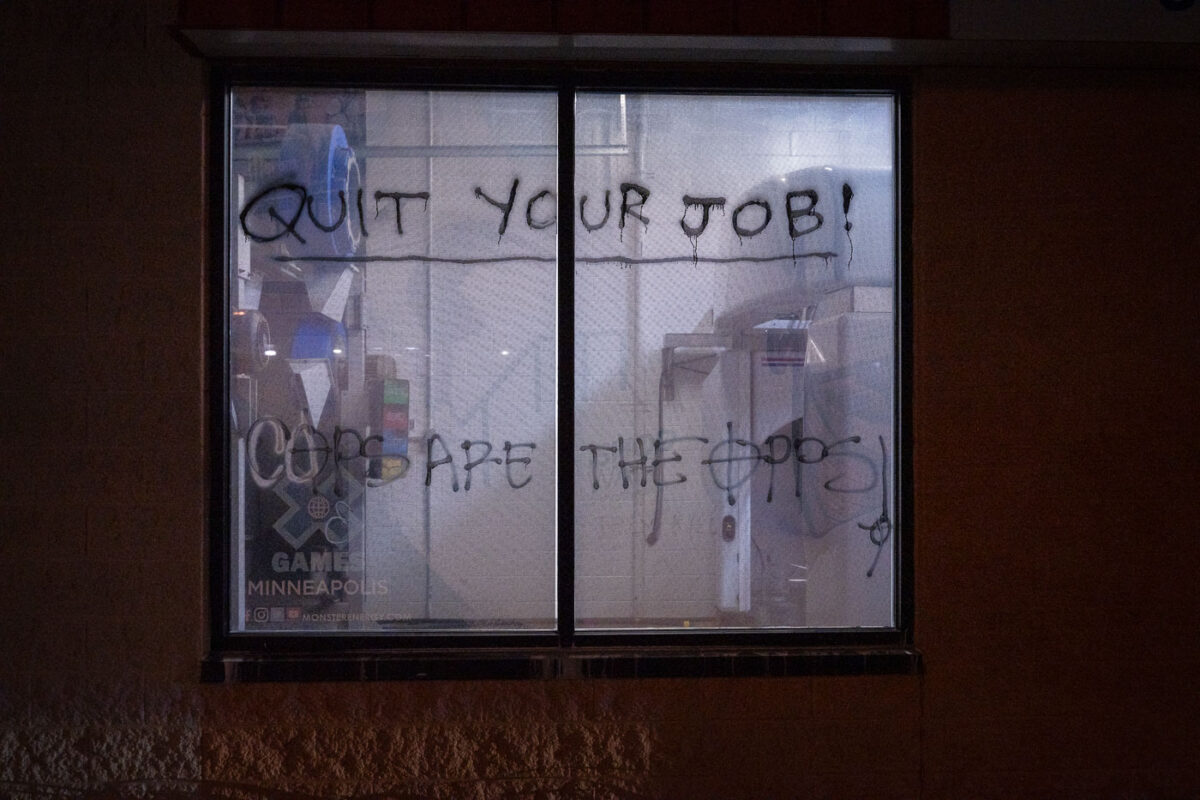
(1054, 277)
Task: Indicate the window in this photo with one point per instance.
(578, 363)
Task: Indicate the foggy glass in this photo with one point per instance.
(734, 361)
(393, 323)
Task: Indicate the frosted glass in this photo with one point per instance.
(734, 362)
(393, 328)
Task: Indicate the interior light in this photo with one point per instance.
(270, 351)
(504, 352)
(785, 321)
(337, 351)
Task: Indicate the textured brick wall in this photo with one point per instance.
(1055, 242)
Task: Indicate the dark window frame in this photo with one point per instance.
(564, 652)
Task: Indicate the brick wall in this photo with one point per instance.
(1055, 352)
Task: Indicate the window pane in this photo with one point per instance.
(393, 324)
(734, 362)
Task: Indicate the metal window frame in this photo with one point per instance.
(566, 651)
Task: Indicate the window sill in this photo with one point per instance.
(546, 664)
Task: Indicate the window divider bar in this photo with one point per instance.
(566, 366)
(217, 379)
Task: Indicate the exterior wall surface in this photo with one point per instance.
(1055, 352)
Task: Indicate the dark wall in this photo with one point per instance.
(1055, 342)
(895, 18)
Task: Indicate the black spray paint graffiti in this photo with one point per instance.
(304, 455)
(397, 198)
(448, 458)
(800, 209)
(725, 455)
(287, 226)
(693, 231)
(794, 203)
(880, 530)
(847, 196)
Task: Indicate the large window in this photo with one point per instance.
(539, 365)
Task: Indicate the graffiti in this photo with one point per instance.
(594, 449)
(430, 463)
(704, 204)
(810, 210)
(622, 464)
(509, 461)
(304, 455)
(589, 227)
(880, 530)
(287, 225)
(746, 233)
(505, 208)
(278, 211)
(301, 455)
(420, 258)
(470, 465)
(729, 483)
(732, 461)
(693, 231)
(847, 196)
(398, 198)
(448, 460)
(540, 224)
(533, 220)
(627, 207)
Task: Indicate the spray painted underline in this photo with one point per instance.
(550, 259)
